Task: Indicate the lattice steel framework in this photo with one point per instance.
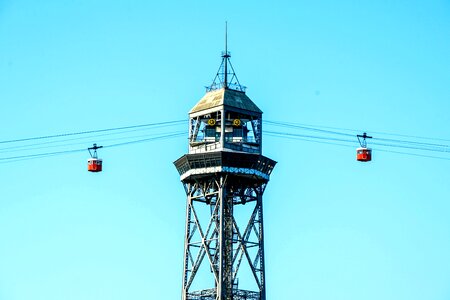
(223, 181)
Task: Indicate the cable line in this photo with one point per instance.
(300, 125)
(40, 155)
(401, 143)
(147, 139)
(307, 136)
(300, 137)
(90, 138)
(293, 125)
(89, 132)
(411, 147)
(317, 134)
(411, 142)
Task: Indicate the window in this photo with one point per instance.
(237, 132)
(210, 131)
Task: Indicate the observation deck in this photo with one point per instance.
(251, 166)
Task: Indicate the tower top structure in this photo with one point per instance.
(225, 118)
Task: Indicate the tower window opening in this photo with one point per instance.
(210, 132)
(237, 132)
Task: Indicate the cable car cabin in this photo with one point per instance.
(364, 154)
(94, 165)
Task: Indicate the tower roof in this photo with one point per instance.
(225, 89)
(226, 97)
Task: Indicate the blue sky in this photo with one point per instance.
(335, 228)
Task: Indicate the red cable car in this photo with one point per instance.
(94, 163)
(363, 154)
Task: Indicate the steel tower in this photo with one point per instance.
(224, 176)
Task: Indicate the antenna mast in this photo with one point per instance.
(226, 55)
(222, 80)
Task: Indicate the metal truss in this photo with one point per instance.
(218, 241)
(226, 77)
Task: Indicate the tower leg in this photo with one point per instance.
(261, 248)
(226, 242)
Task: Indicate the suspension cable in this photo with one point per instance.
(90, 131)
(39, 155)
(319, 134)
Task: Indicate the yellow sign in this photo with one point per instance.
(236, 122)
(211, 122)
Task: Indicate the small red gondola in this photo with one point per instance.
(94, 163)
(364, 154)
